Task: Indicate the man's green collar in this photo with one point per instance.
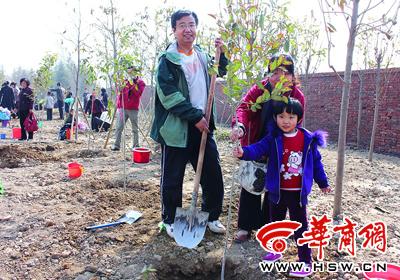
(175, 58)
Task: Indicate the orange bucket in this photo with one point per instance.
(16, 133)
(141, 155)
(68, 134)
(75, 170)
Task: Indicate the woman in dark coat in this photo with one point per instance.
(25, 106)
(7, 97)
(94, 107)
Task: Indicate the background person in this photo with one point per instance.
(49, 105)
(85, 97)
(94, 107)
(60, 92)
(7, 96)
(16, 93)
(26, 99)
(69, 100)
(104, 97)
(128, 108)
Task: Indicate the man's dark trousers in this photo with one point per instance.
(173, 164)
(60, 104)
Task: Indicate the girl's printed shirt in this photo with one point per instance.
(291, 171)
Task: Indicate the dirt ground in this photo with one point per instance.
(43, 214)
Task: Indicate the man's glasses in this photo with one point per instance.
(191, 26)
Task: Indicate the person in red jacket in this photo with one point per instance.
(128, 108)
(251, 127)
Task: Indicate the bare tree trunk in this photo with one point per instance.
(306, 86)
(78, 69)
(360, 99)
(306, 80)
(376, 110)
(343, 114)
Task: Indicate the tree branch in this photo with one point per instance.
(329, 42)
(361, 16)
(370, 8)
(337, 12)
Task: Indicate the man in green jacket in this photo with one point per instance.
(181, 98)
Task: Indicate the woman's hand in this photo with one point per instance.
(328, 189)
(236, 133)
(219, 43)
(237, 151)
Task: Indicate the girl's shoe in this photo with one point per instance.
(242, 236)
(303, 272)
(272, 257)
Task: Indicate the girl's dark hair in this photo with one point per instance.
(292, 107)
(25, 80)
(180, 14)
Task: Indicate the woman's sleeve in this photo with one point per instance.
(244, 113)
(30, 99)
(298, 94)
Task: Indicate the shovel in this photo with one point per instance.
(190, 224)
(128, 218)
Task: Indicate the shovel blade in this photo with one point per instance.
(189, 227)
(132, 216)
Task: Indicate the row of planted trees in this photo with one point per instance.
(252, 30)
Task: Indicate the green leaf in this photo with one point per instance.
(286, 46)
(235, 66)
(213, 70)
(277, 98)
(261, 21)
(248, 47)
(252, 9)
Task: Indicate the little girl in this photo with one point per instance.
(293, 162)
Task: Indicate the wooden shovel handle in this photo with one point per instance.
(202, 148)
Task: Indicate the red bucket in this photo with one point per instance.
(75, 170)
(68, 134)
(141, 155)
(16, 133)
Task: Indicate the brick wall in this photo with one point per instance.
(323, 108)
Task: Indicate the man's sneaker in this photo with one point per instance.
(216, 226)
(169, 229)
(303, 272)
(272, 257)
(114, 149)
